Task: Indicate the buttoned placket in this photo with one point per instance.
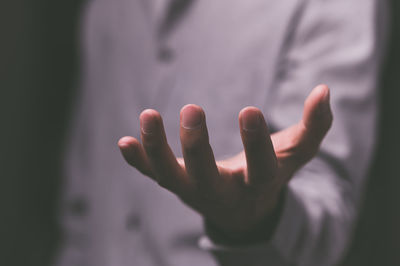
(165, 54)
(165, 78)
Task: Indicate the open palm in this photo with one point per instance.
(239, 196)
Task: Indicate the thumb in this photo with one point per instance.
(299, 143)
(317, 116)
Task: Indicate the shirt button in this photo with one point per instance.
(132, 222)
(165, 54)
(78, 207)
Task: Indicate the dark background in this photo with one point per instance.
(38, 66)
(38, 71)
(377, 238)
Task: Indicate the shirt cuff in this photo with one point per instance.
(270, 250)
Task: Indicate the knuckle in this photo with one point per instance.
(195, 143)
(154, 154)
(152, 146)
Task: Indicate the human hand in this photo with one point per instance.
(239, 195)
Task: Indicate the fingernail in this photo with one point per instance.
(325, 104)
(124, 142)
(147, 124)
(191, 117)
(250, 120)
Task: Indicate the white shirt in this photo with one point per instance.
(222, 55)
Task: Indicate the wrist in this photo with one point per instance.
(261, 231)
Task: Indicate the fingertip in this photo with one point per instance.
(149, 121)
(251, 109)
(325, 100)
(317, 115)
(322, 88)
(133, 153)
(320, 93)
(318, 103)
(322, 106)
(125, 142)
(126, 146)
(324, 96)
(191, 116)
(191, 106)
(149, 114)
(250, 118)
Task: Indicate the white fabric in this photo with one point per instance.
(223, 55)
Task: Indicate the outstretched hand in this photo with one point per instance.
(240, 194)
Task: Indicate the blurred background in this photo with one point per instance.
(39, 65)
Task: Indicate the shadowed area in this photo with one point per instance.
(37, 71)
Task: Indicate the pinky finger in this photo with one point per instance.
(134, 154)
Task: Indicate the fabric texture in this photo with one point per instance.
(222, 55)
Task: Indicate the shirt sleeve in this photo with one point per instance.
(339, 43)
